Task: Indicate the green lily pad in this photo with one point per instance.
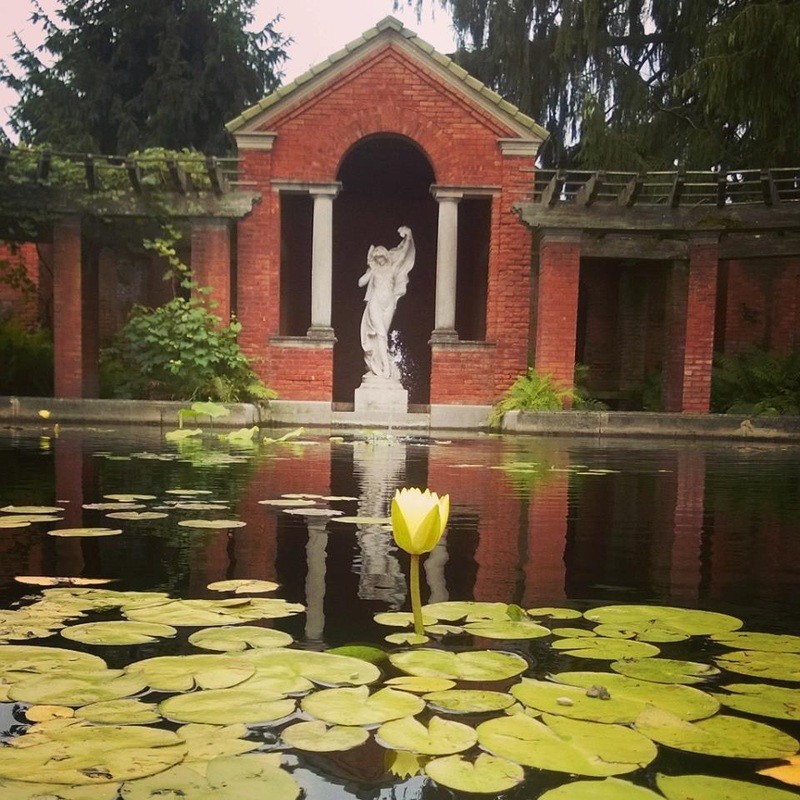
(606, 649)
(32, 510)
(441, 737)
(407, 638)
(240, 637)
(251, 706)
(287, 502)
(400, 619)
(364, 520)
(76, 690)
(19, 661)
(468, 701)
(184, 673)
(80, 754)
(17, 520)
(205, 742)
(760, 664)
(327, 669)
(226, 778)
(189, 492)
(573, 633)
(84, 532)
(625, 698)
(179, 434)
(137, 515)
(686, 621)
(196, 505)
(125, 711)
(6, 522)
(212, 524)
(243, 586)
(720, 735)
(665, 670)
(651, 633)
(554, 612)
(411, 683)
(607, 789)
(762, 699)
(118, 632)
(356, 706)
(42, 580)
(471, 610)
(112, 506)
(486, 775)
(313, 512)
(507, 629)
(129, 498)
(567, 745)
(691, 787)
(204, 613)
(364, 652)
(474, 665)
(17, 790)
(316, 737)
(767, 642)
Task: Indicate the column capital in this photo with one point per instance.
(567, 235)
(443, 192)
(255, 140)
(315, 189)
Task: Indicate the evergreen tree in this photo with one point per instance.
(116, 76)
(636, 84)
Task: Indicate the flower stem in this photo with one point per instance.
(416, 602)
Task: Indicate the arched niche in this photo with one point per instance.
(386, 182)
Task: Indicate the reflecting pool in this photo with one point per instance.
(535, 523)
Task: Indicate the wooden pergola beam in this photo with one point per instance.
(552, 192)
(633, 188)
(587, 194)
(134, 174)
(178, 175)
(768, 188)
(90, 167)
(676, 191)
(218, 181)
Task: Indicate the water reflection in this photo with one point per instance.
(534, 521)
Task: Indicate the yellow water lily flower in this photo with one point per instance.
(419, 519)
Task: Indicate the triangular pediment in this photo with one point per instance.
(389, 32)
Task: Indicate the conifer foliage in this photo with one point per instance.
(118, 76)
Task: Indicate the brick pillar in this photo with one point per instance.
(691, 309)
(685, 561)
(91, 325)
(68, 307)
(211, 262)
(557, 306)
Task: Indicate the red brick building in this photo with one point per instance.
(513, 267)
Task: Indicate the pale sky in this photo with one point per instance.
(318, 27)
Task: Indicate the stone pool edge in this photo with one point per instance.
(634, 424)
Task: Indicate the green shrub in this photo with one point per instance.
(756, 382)
(179, 351)
(26, 357)
(530, 392)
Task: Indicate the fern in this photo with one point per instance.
(756, 382)
(530, 392)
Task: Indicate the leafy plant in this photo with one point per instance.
(756, 382)
(27, 359)
(582, 399)
(530, 392)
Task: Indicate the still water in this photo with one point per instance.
(534, 522)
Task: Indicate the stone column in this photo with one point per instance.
(322, 261)
(446, 265)
(68, 307)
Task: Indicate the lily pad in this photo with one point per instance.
(648, 633)
(760, 664)
(441, 737)
(32, 510)
(189, 492)
(407, 638)
(665, 670)
(129, 498)
(473, 665)
(606, 697)
(316, 737)
(240, 637)
(573, 633)
(400, 619)
(411, 683)
(19, 520)
(720, 735)
(184, 673)
(567, 745)
(118, 632)
(125, 711)
(356, 706)
(313, 512)
(607, 789)
(554, 612)
(112, 506)
(327, 669)
(7, 522)
(44, 713)
(137, 515)
(288, 502)
(17, 790)
(205, 742)
(468, 701)
(607, 649)
(81, 754)
(486, 775)
(767, 642)
(686, 621)
(250, 706)
(75, 689)
(204, 613)
(471, 610)
(243, 586)
(364, 520)
(214, 524)
(507, 629)
(84, 532)
(762, 699)
(24, 661)
(786, 772)
(41, 580)
(691, 787)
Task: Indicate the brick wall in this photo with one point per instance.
(387, 92)
(23, 307)
(462, 374)
(211, 263)
(67, 308)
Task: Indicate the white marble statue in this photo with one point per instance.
(386, 280)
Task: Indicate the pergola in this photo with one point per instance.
(693, 219)
(80, 203)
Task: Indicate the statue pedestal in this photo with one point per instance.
(380, 395)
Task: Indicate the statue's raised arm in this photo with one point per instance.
(403, 255)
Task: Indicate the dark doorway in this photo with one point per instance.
(386, 183)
